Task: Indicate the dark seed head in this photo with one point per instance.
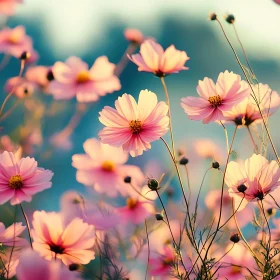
(215, 165)
(127, 179)
(50, 76)
(213, 16)
(25, 55)
(73, 267)
(153, 184)
(235, 238)
(259, 195)
(230, 19)
(242, 188)
(159, 217)
(183, 161)
(271, 211)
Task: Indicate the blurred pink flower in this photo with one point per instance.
(54, 239)
(32, 267)
(133, 126)
(153, 58)
(20, 86)
(9, 262)
(247, 112)
(7, 144)
(7, 7)
(256, 177)
(74, 78)
(134, 35)
(38, 75)
(20, 179)
(9, 235)
(277, 2)
(217, 99)
(14, 41)
(103, 168)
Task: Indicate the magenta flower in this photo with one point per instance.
(215, 99)
(9, 235)
(153, 58)
(74, 78)
(70, 242)
(14, 41)
(252, 179)
(21, 179)
(32, 266)
(133, 126)
(247, 112)
(7, 7)
(103, 167)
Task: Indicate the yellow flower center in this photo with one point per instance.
(235, 269)
(83, 77)
(167, 261)
(215, 100)
(135, 126)
(13, 39)
(131, 203)
(108, 166)
(16, 182)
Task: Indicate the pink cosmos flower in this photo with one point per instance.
(134, 36)
(7, 144)
(69, 242)
(103, 168)
(38, 76)
(9, 236)
(74, 78)
(20, 179)
(133, 126)
(252, 179)
(21, 86)
(7, 7)
(215, 99)
(153, 58)
(14, 41)
(32, 266)
(247, 112)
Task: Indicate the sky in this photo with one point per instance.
(67, 23)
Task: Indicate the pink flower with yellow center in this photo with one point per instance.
(21, 179)
(74, 78)
(104, 168)
(252, 179)
(14, 41)
(154, 59)
(133, 126)
(70, 242)
(215, 99)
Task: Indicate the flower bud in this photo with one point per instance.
(235, 238)
(25, 55)
(242, 188)
(183, 161)
(230, 19)
(159, 217)
(127, 179)
(50, 76)
(271, 211)
(73, 267)
(215, 165)
(153, 184)
(213, 16)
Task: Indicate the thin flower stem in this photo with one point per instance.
(146, 274)
(254, 95)
(252, 139)
(189, 185)
(226, 135)
(223, 257)
(268, 227)
(169, 115)
(27, 224)
(140, 193)
(22, 64)
(10, 111)
(222, 194)
(5, 61)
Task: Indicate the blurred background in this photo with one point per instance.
(91, 28)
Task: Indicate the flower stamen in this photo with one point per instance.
(83, 77)
(131, 203)
(215, 100)
(16, 182)
(135, 126)
(108, 166)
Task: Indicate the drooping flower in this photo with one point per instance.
(32, 266)
(21, 179)
(14, 41)
(252, 179)
(215, 99)
(70, 242)
(7, 7)
(20, 86)
(247, 112)
(134, 35)
(153, 58)
(74, 78)
(103, 167)
(9, 235)
(133, 126)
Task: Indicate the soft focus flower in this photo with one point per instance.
(69, 242)
(252, 179)
(38, 76)
(134, 36)
(153, 58)
(7, 144)
(20, 179)
(9, 262)
(74, 78)
(103, 168)
(9, 235)
(20, 86)
(215, 99)
(7, 7)
(133, 126)
(277, 1)
(14, 41)
(247, 112)
(32, 266)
